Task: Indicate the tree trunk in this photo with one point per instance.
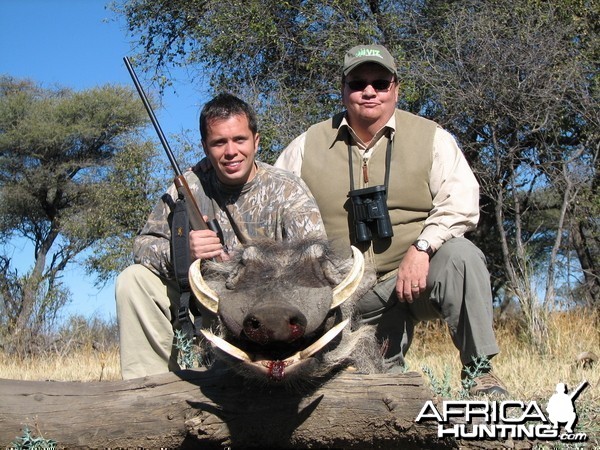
(211, 409)
(584, 248)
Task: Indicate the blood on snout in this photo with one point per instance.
(269, 325)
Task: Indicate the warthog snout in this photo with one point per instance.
(268, 325)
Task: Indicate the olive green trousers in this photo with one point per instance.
(458, 291)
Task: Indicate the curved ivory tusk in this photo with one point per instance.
(226, 346)
(346, 288)
(323, 340)
(202, 291)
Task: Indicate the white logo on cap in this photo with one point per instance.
(368, 52)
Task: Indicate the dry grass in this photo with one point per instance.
(83, 364)
(80, 350)
(527, 371)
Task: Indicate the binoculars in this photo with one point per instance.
(371, 216)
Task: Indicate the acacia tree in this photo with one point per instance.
(71, 177)
(515, 81)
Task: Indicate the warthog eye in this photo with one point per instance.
(253, 323)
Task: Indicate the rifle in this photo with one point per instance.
(575, 392)
(195, 215)
(181, 257)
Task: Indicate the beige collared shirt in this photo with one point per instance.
(453, 185)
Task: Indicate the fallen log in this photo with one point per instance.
(212, 409)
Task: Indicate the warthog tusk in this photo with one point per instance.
(346, 288)
(226, 346)
(202, 291)
(322, 341)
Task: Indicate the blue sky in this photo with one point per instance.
(80, 44)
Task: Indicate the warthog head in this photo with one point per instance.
(285, 310)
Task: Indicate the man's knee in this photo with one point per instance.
(459, 261)
(375, 302)
(129, 273)
(460, 250)
(128, 278)
(459, 277)
(136, 284)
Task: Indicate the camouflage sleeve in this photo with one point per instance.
(152, 247)
(301, 217)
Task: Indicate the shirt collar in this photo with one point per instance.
(345, 131)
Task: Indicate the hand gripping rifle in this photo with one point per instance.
(186, 213)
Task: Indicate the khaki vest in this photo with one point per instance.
(325, 169)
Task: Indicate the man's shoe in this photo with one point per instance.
(487, 384)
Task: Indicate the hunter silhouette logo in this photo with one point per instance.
(561, 406)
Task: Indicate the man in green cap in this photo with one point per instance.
(398, 187)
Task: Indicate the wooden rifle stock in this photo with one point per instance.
(195, 216)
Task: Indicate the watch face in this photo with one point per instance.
(422, 245)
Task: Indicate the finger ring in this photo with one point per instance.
(414, 285)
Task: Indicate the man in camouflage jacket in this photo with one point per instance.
(248, 198)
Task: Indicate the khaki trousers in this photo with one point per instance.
(458, 291)
(146, 310)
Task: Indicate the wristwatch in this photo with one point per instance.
(423, 246)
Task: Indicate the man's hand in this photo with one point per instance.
(205, 244)
(412, 275)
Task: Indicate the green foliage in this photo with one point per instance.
(516, 82)
(29, 442)
(189, 354)
(441, 387)
(282, 57)
(185, 346)
(74, 176)
(479, 366)
(122, 202)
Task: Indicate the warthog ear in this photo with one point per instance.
(346, 288)
(249, 256)
(202, 291)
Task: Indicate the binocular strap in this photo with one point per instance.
(388, 158)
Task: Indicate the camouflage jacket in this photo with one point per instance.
(275, 204)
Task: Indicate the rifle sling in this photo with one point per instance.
(180, 255)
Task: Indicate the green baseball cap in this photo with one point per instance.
(368, 53)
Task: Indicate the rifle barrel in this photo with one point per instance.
(574, 393)
(153, 119)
